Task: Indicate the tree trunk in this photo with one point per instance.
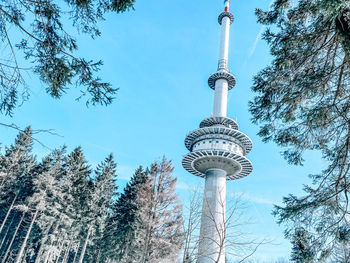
(98, 256)
(126, 253)
(64, 260)
(148, 229)
(59, 252)
(47, 257)
(7, 231)
(145, 251)
(151, 218)
(13, 239)
(24, 257)
(148, 237)
(76, 253)
(21, 251)
(188, 238)
(42, 244)
(82, 254)
(8, 213)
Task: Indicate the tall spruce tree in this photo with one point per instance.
(100, 204)
(122, 235)
(302, 103)
(48, 197)
(18, 166)
(80, 189)
(41, 32)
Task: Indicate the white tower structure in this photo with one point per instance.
(217, 153)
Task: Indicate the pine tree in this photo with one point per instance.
(302, 103)
(17, 165)
(301, 251)
(79, 189)
(123, 226)
(100, 204)
(49, 197)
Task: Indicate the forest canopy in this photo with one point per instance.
(60, 209)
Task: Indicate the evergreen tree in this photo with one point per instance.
(302, 103)
(301, 251)
(18, 166)
(48, 197)
(340, 252)
(79, 189)
(100, 204)
(47, 43)
(122, 240)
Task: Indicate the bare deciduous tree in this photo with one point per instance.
(235, 243)
(191, 227)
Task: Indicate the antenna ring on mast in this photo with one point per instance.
(224, 14)
(222, 75)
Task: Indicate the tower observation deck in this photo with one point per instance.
(217, 153)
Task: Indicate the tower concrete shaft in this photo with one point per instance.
(217, 153)
(212, 233)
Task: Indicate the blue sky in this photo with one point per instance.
(160, 56)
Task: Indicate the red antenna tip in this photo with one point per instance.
(226, 8)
